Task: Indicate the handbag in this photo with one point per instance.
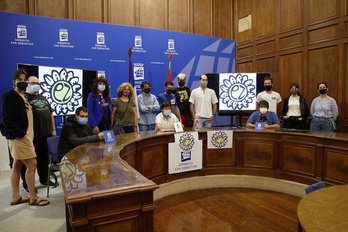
(118, 127)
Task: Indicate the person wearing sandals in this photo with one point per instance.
(124, 113)
(17, 125)
(324, 110)
(99, 105)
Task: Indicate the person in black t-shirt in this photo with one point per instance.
(182, 94)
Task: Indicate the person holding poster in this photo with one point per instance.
(17, 126)
(166, 119)
(99, 105)
(264, 115)
(203, 101)
(124, 112)
(183, 94)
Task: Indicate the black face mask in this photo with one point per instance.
(181, 83)
(147, 90)
(323, 91)
(169, 91)
(267, 87)
(22, 85)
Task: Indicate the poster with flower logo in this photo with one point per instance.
(62, 88)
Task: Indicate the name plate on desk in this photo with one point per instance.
(259, 126)
(185, 154)
(109, 136)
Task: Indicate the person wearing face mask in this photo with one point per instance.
(124, 113)
(295, 110)
(264, 115)
(148, 106)
(324, 110)
(166, 119)
(44, 127)
(99, 105)
(76, 132)
(272, 97)
(183, 94)
(17, 126)
(203, 101)
(168, 96)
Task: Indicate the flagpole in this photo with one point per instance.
(130, 64)
(169, 78)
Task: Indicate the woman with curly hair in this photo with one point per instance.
(99, 105)
(124, 114)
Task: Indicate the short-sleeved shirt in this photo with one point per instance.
(273, 99)
(163, 97)
(41, 113)
(203, 101)
(270, 116)
(182, 98)
(122, 108)
(162, 120)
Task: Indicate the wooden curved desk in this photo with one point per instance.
(324, 210)
(113, 189)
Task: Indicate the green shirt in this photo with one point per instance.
(121, 108)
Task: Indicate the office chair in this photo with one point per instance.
(53, 158)
(309, 189)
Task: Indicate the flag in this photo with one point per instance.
(170, 68)
(132, 81)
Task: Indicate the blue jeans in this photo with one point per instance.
(147, 127)
(202, 122)
(321, 124)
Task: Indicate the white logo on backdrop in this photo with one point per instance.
(138, 71)
(170, 44)
(63, 35)
(22, 32)
(137, 41)
(100, 38)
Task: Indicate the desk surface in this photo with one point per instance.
(325, 210)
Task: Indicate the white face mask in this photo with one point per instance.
(263, 110)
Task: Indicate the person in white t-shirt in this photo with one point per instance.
(203, 104)
(166, 119)
(272, 97)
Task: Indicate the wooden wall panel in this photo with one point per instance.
(267, 65)
(89, 10)
(258, 154)
(319, 10)
(266, 47)
(265, 18)
(323, 34)
(301, 159)
(122, 12)
(15, 6)
(290, 71)
(243, 9)
(178, 15)
(345, 88)
(151, 14)
(291, 14)
(323, 66)
(337, 166)
(245, 67)
(245, 51)
(223, 19)
(52, 8)
(291, 41)
(152, 161)
(202, 17)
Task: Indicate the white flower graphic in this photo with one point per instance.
(62, 89)
(237, 92)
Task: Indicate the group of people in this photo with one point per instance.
(295, 111)
(27, 119)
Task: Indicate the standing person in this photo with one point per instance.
(168, 96)
(99, 105)
(44, 127)
(203, 101)
(76, 131)
(295, 109)
(324, 110)
(148, 106)
(264, 115)
(17, 125)
(124, 113)
(183, 94)
(272, 97)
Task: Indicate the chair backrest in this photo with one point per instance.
(314, 187)
(52, 143)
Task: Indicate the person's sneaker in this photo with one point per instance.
(52, 185)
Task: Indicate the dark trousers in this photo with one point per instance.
(104, 126)
(294, 123)
(41, 150)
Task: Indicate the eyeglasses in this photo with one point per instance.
(34, 83)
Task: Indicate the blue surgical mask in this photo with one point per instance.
(167, 112)
(35, 88)
(101, 88)
(83, 121)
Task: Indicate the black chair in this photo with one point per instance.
(53, 158)
(309, 189)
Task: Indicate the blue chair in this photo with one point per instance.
(309, 189)
(53, 158)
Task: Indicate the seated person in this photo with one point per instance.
(268, 117)
(166, 119)
(76, 131)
